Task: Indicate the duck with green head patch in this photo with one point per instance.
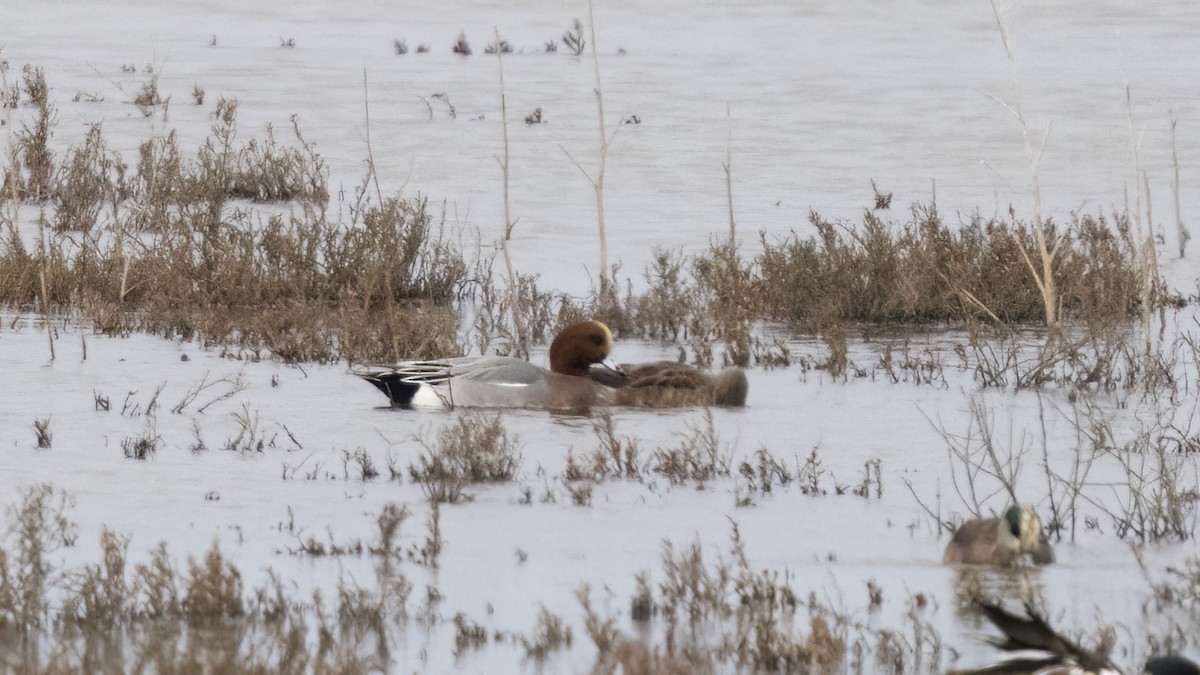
(1000, 541)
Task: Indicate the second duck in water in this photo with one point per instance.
(1000, 541)
(666, 384)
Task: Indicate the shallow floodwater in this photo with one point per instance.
(824, 97)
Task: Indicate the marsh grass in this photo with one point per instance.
(142, 446)
(725, 615)
(178, 245)
(30, 173)
(926, 271)
(461, 46)
(550, 634)
(1151, 488)
(167, 246)
(250, 437)
(763, 473)
(467, 634)
(617, 456)
(115, 616)
(573, 39)
(700, 455)
(475, 448)
(1159, 498)
(41, 431)
(714, 614)
(148, 96)
(389, 521)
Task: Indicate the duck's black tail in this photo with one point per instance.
(393, 384)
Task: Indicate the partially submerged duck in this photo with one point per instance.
(667, 384)
(1000, 541)
(504, 382)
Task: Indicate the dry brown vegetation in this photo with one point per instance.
(928, 271)
(170, 247)
(159, 616)
(174, 244)
(723, 615)
(111, 616)
(473, 448)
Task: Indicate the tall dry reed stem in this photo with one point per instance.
(597, 182)
(521, 348)
(1047, 251)
(1180, 229)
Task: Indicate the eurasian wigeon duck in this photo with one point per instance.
(505, 382)
(1000, 541)
(667, 384)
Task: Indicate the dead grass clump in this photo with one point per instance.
(99, 593)
(903, 365)
(363, 464)
(1179, 589)
(573, 38)
(664, 310)
(700, 456)
(30, 173)
(39, 528)
(616, 456)
(214, 589)
(730, 615)
(265, 171)
(88, 178)
(475, 448)
(106, 620)
(689, 590)
(619, 653)
(810, 476)
(700, 301)
(165, 252)
(549, 635)
(41, 430)
(923, 271)
(250, 437)
(467, 634)
(498, 47)
(461, 46)
(1160, 497)
(427, 554)
(730, 291)
(141, 446)
(765, 473)
(872, 476)
(155, 587)
(580, 491)
(148, 96)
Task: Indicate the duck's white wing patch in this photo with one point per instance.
(428, 398)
